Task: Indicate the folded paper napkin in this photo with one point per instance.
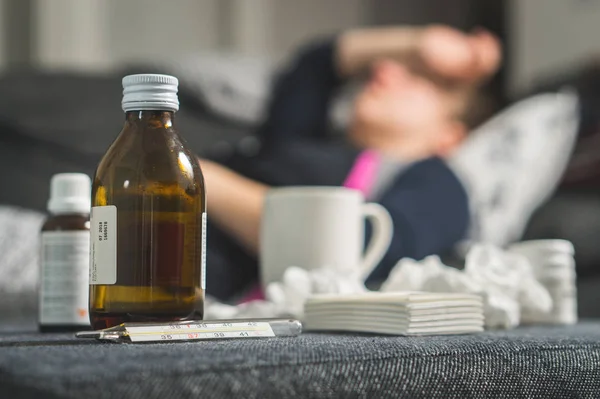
(532, 282)
(395, 313)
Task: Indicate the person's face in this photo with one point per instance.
(412, 109)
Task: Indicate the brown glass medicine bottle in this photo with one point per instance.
(148, 215)
(64, 258)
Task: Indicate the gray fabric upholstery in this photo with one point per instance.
(552, 362)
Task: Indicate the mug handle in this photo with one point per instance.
(383, 229)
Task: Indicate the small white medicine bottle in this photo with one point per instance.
(65, 243)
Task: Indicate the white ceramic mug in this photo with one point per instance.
(312, 227)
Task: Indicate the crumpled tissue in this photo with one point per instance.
(286, 298)
(505, 280)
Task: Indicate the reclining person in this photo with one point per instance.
(413, 111)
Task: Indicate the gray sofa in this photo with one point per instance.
(57, 123)
(537, 362)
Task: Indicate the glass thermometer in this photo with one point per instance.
(197, 330)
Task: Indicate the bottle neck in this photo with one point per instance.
(152, 119)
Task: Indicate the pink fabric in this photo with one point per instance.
(255, 294)
(363, 172)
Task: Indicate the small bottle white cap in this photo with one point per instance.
(70, 193)
(150, 92)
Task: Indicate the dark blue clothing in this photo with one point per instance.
(428, 204)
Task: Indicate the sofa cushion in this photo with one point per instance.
(552, 362)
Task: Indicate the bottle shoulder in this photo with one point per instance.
(156, 161)
(150, 155)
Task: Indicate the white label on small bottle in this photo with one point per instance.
(64, 278)
(103, 251)
(203, 255)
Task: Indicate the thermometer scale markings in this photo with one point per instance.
(174, 332)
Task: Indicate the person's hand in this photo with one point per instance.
(449, 54)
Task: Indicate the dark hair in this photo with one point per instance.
(478, 106)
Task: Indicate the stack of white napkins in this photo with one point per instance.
(395, 313)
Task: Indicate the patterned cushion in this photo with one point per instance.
(513, 163)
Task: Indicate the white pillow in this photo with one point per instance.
(513, 163)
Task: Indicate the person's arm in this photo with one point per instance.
(235, 203)
(358, 48)
(428, 205)
(435, 51)
(430, 210)
(302, 93)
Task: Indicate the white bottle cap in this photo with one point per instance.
(70, 193)
(150, 92)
